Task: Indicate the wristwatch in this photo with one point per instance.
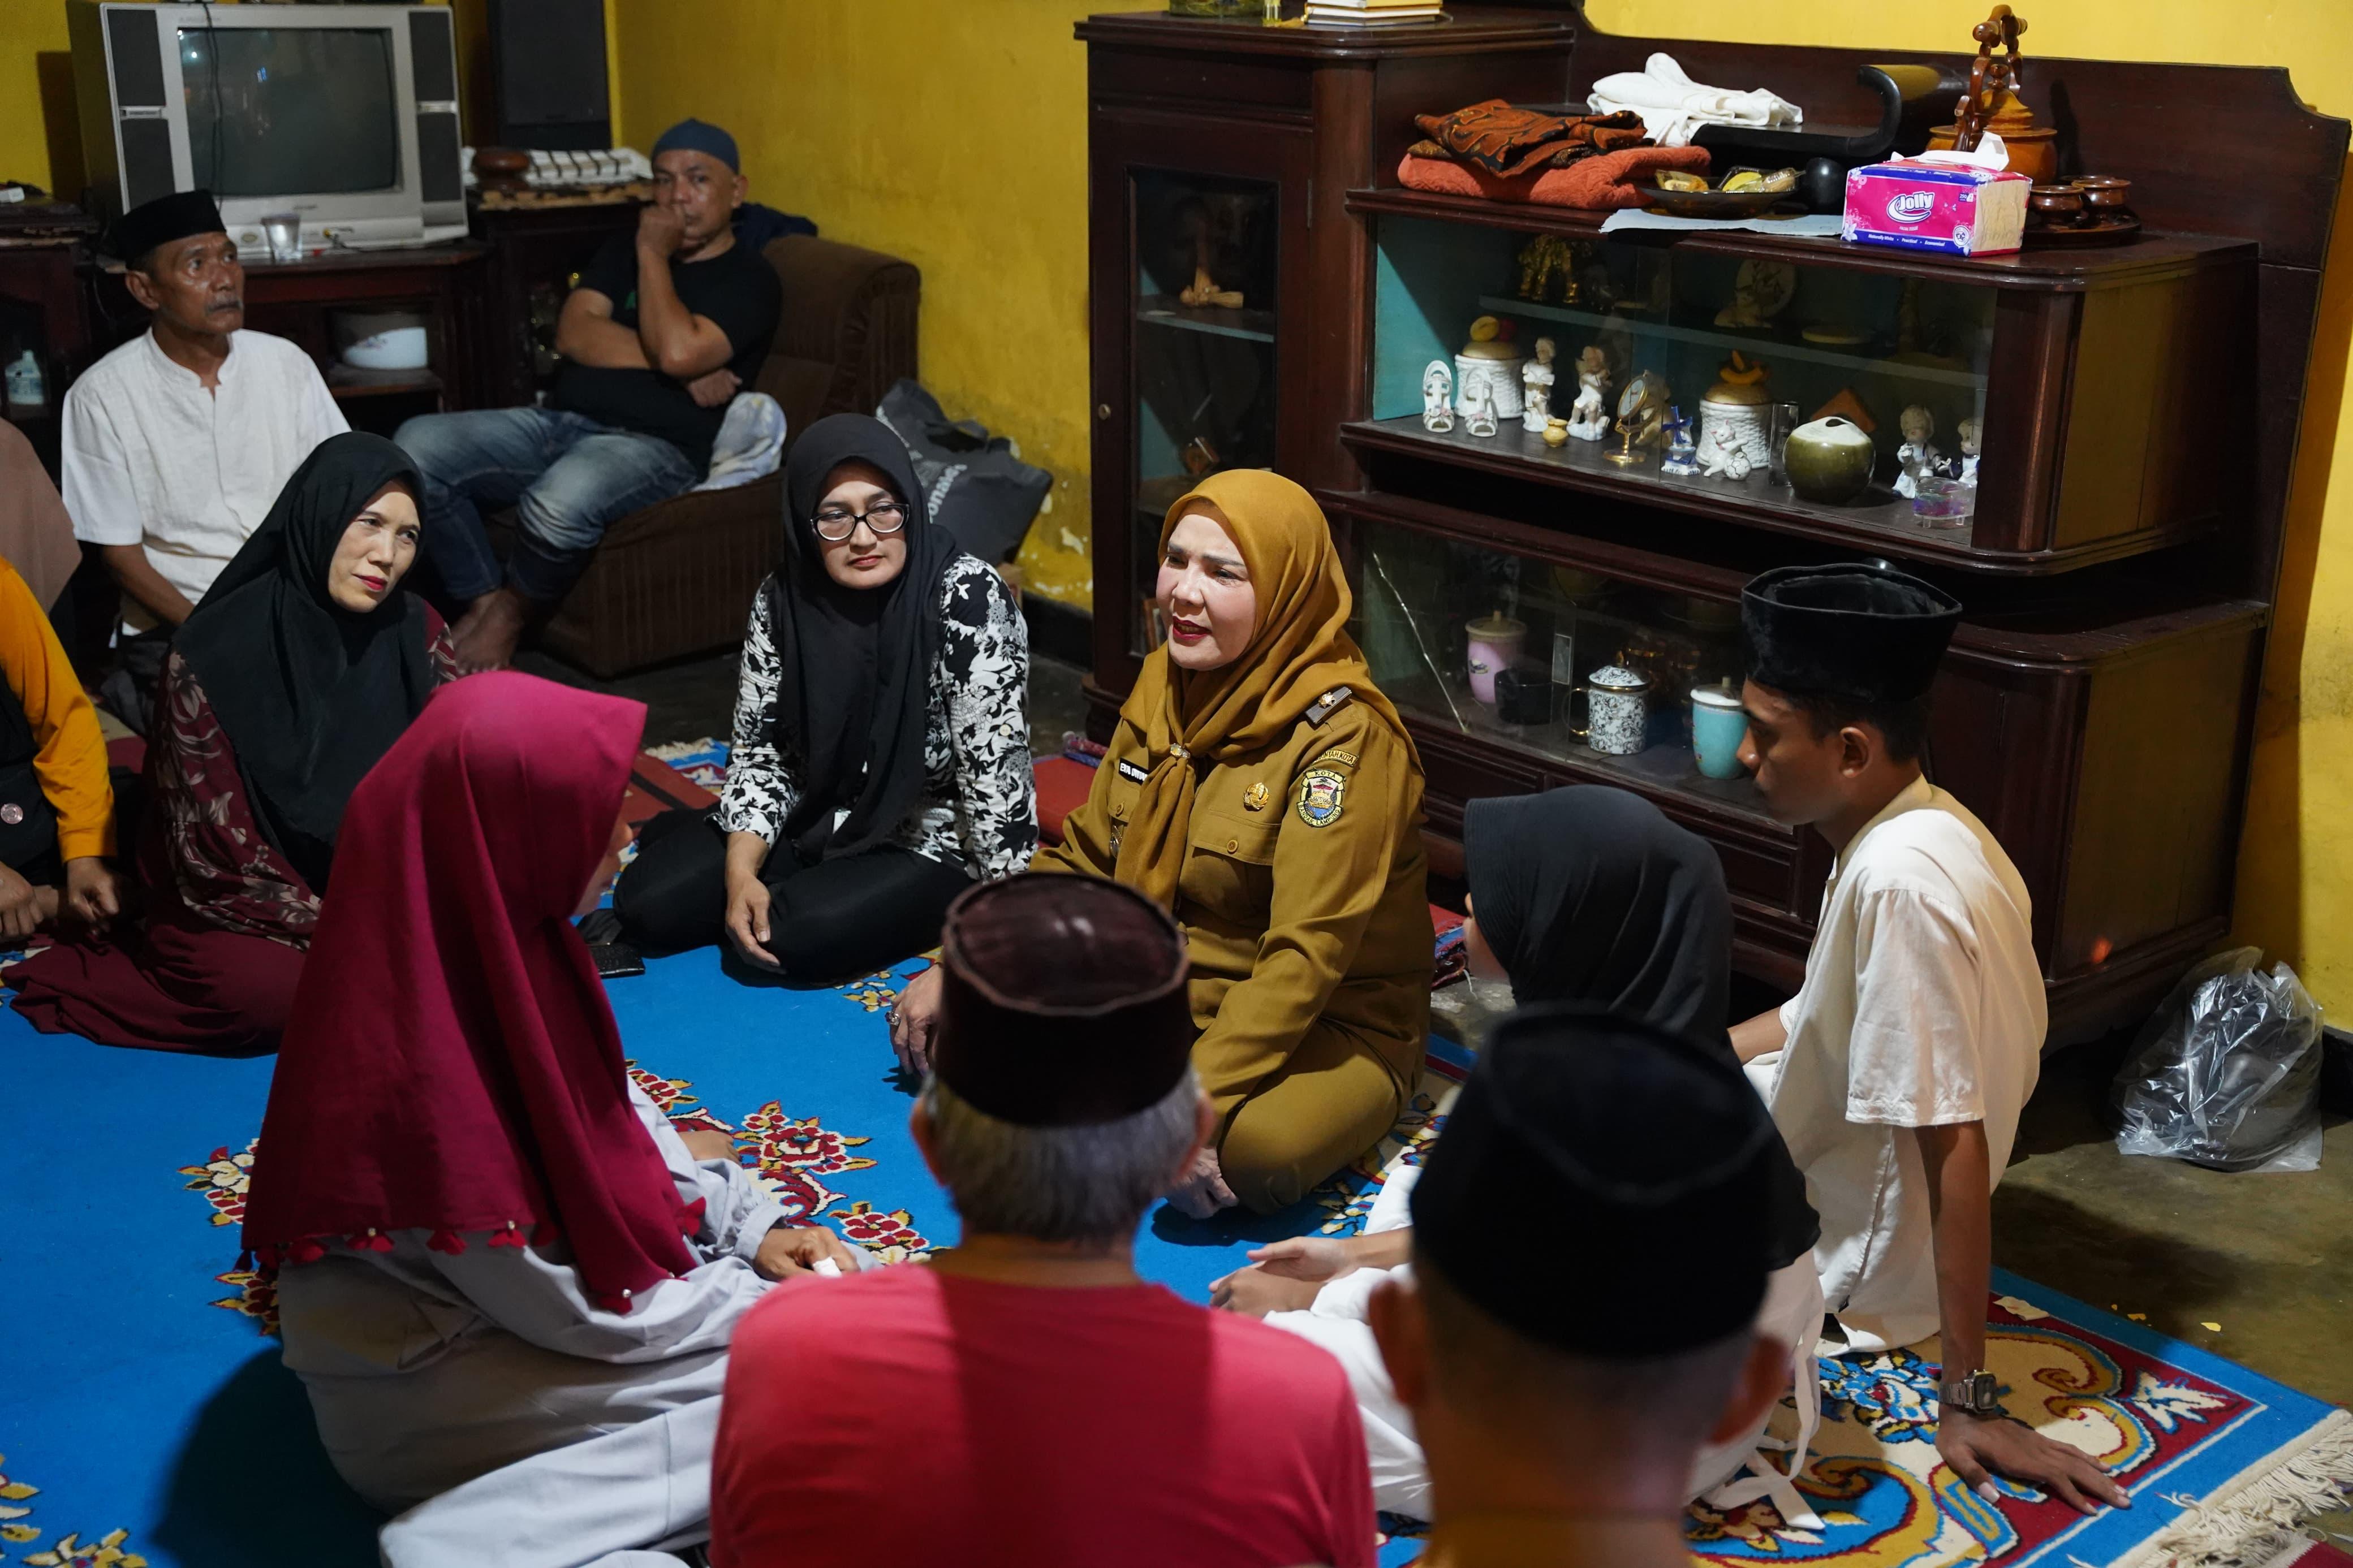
(1976, 1394)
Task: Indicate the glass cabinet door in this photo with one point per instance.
(1606, 675)
(1204, 350)
(1683, 371)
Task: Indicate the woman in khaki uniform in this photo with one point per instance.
(1261, 786)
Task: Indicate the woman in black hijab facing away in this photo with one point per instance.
(1586, 895)
(305, 661)
(881, 756)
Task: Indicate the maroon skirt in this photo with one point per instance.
(180, 985)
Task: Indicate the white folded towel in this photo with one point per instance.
(751, 442)
(1672, 106)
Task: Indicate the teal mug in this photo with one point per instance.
(1718, 726)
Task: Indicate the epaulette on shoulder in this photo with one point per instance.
(1331, 702)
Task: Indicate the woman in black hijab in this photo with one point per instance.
(881, 756)
(305, 661)
(1589, 895)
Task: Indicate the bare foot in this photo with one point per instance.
(486, 635)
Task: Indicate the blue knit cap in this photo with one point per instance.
(695, 136)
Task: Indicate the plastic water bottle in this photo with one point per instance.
(25, 389)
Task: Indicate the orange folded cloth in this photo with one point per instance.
(1606, 180)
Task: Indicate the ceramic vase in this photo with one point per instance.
(1830, 460)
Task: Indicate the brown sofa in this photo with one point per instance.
(678, 578)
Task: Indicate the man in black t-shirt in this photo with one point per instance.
(664, 328)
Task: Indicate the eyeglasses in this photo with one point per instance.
(836, 523)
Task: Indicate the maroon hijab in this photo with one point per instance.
(451, 1063)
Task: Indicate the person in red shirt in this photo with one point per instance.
(1027, 1398)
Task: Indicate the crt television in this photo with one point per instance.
(344, 114)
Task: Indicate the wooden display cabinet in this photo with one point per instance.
(2138, 407)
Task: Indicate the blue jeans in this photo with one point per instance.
(567, 477)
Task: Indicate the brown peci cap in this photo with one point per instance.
(1063, 1001)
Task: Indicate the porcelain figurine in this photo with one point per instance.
(1482, 421)
(1535, 395)
(1915, 456)
(1589, 416)
(1724, 452)
(1680, 454)
(1972, 435)
(1438, 397)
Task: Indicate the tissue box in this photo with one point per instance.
(1920, 205)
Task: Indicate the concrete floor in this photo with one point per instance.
(2270, 1259)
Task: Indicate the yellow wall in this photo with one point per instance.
(951, 132)
(30, 30)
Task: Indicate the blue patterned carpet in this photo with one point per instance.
(139, 1392)
(145, 1417)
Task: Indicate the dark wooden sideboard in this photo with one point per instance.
(2140, 408)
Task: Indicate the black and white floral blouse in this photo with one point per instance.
(979, 805)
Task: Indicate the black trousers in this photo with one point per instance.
(129, 694)
(833, 921)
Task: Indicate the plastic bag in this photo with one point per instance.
(2226, 1074)
(976, 485)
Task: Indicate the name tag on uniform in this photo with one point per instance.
(1131, 772)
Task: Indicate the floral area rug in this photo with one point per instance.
(145, 1416)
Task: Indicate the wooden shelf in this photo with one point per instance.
(2066, 630)
(1882, 522)
(346, 381)
(1780, 343)
(1657, 771)
(1167, 310)
(2061, 271)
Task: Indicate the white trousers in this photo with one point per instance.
(1725, 1475)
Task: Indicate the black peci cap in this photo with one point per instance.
(1602, 1188)
(1855, 629)
(162, 221)
(1063, 1001)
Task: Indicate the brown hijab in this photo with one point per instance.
(36, 536)
(1300, 650)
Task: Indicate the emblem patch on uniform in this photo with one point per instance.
(1131, 772)
(1338, 758)
(1254, 798)
(1322, 792)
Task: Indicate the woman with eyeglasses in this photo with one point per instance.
(880, 760)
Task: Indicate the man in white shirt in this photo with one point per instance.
(177, 442)
(1897, 1072)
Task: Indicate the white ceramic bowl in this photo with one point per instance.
(399, 348)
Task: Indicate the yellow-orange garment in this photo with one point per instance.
(71, 763)
(1274, 804)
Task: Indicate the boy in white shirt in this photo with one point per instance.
(177, 442)
(1897, 1072)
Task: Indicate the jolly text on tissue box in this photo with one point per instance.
(1965, 203)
